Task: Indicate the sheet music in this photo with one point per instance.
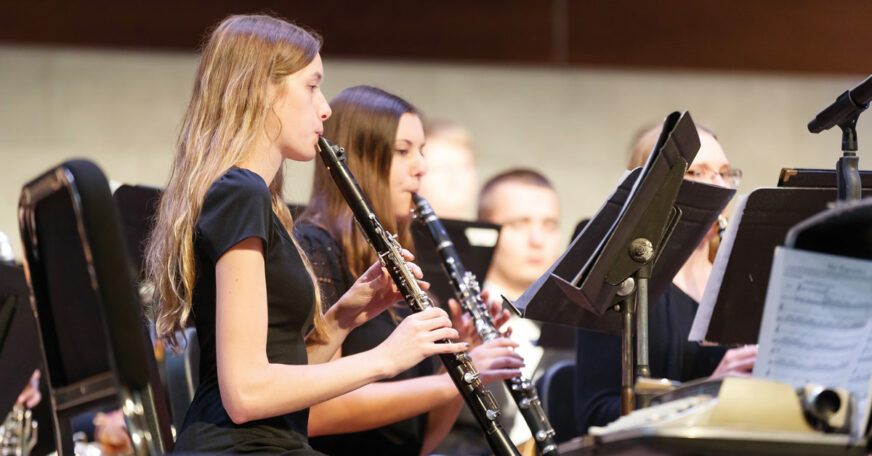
(710, 295)
(817, 325)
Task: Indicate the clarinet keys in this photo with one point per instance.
(542, 435)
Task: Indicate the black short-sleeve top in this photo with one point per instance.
(405, 437)
(237, 207)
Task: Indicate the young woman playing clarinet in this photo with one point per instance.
(221, 254)
(383, 139)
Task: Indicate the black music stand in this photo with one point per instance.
(732, 305)
(475, 243)
(89, 316)
(821, 178)
(19, 344)
(609, 265)
(845, 230)
(19, 357)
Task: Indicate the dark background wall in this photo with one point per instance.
(782, 35)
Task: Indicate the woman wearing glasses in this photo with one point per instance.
(598, 375)
(710, 166)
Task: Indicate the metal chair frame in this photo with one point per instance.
(129, 376)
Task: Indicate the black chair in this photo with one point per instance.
(182, 376)
(136, 206)
(556, 389)
(89, 315)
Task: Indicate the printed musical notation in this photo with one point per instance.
(817, 325)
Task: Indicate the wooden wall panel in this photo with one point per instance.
(774, 35)
(781, 35)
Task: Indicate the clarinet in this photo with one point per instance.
(468, 294)
(458, 365)
(18, 433)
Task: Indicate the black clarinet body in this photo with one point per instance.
(459, 366)
(468, 294)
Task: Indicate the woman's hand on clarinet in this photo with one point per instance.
(465, 326)
(737, 362)
(496, 360)
(416, 338)
(371, 294)
(463, 323)
(499, 315)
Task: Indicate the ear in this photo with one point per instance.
(272, 125)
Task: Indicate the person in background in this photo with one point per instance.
(525, 204)
(451, 181)
(384, 142)
(598, 362)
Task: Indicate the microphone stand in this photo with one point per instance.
(848, 166)
(844, 112)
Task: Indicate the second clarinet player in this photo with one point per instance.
(466, 290)
(459, 366)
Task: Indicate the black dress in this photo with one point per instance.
(598, 358)
(237, 207)
(402, 438)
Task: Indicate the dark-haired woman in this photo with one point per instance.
(383, 139)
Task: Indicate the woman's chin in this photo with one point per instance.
(403, 217)
(303, 154)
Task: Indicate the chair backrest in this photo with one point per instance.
(136, 205)
(183, 376)
(557, 392)
(88, 310)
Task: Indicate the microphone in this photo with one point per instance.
(847, 105)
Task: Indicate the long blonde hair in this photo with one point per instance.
(244, 56)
